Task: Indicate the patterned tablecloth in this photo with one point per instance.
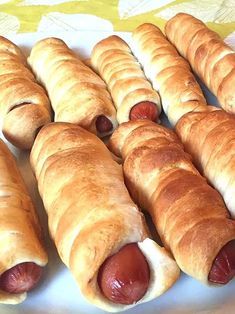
(19, 16)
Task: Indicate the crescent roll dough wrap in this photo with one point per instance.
(24, 106)
(210, 137)
(209, 56)
(90, 213)
(113, 60)
(20, 233)
(78, 95)
(189, 215)
(169, 73)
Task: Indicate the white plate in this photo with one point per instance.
(58, 292)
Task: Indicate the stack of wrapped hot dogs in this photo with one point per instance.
(96, 194)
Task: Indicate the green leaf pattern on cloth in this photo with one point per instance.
(20, 16)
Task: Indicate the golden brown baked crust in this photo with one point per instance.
(78, 95)
(169, 73)
(189, 214)
(113, 60)
(209, 56)
(210, 138)
(24, 105)
(90, 213)
(20, 232)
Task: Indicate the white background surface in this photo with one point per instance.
(58, 292)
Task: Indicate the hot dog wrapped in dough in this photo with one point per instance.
(78, 95)
(208, 55)
(189, 214)
(22, 254)
(99, 232)
(169, 73)
(24, 106)
(210, 137)
(132, 93)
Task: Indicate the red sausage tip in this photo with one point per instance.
(103, 124)
(124, 277)
(223, 267)
(144, 110)
(20, 278)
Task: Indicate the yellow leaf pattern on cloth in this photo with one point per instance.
(219, 11)
(44, 2)
(230, 40)
(56, 21)
(117, 15)
(9, 24)
(226, 13)
(135, 7)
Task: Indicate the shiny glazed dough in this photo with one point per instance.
(24, 106)
(78, 95)
(113, 60)
(90, 213)
(211, 59)
(190, 216)
(210, 138)
(169, 73)
(20, 232)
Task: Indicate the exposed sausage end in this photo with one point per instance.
(124, 277)
(223, 267)
(144, 110)
(20, 278)
(103, 124)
